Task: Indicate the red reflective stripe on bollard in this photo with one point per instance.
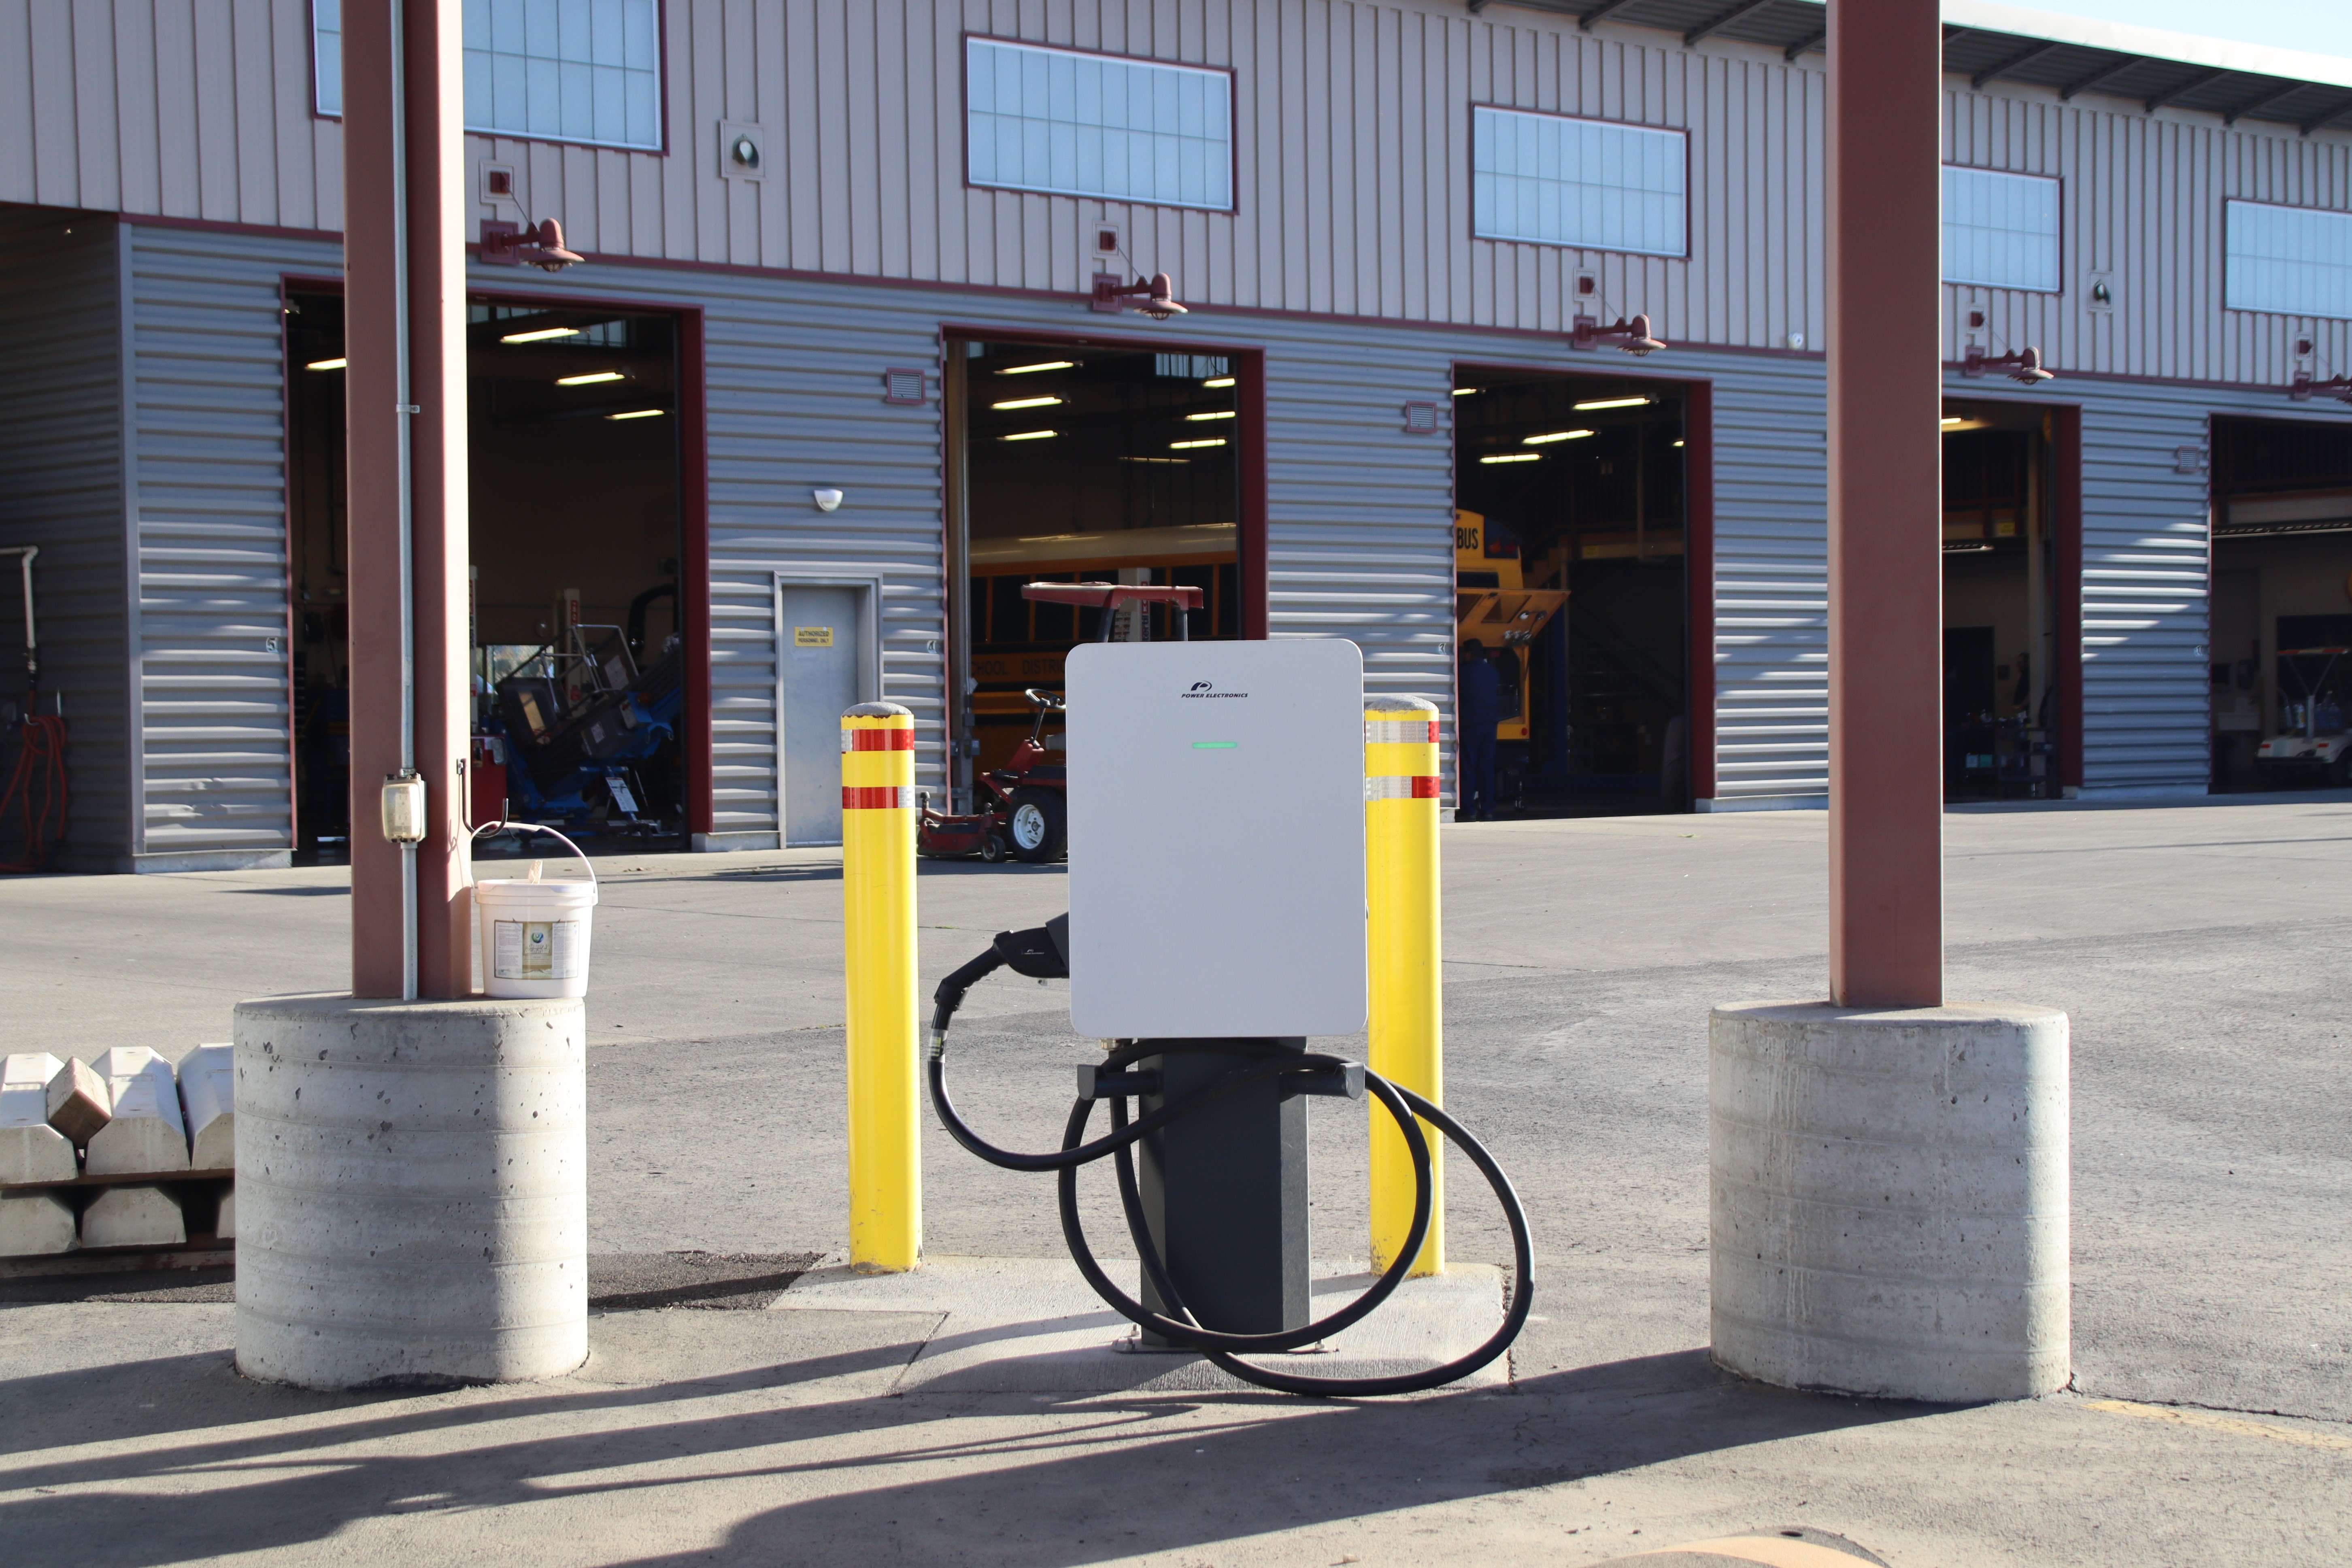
(1425, 786)
(877, 739)
(886, 798)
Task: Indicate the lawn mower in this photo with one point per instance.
(1022, 807)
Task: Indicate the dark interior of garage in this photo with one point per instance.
(578, 657)
(1570, 573)
(1083, 463)
(2000, 703)
(2282, 600)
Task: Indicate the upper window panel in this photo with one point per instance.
(2001, 231)
(553, 70)
(1592, 183)
(2295, 261)
(1096, 125)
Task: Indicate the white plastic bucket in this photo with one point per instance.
(535, 933)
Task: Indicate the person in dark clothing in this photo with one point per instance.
(1481, 708)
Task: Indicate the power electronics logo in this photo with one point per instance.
(1208, 688)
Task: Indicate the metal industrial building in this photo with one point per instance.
(824, 239)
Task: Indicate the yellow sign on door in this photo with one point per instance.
(812, 637)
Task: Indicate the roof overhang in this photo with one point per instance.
(1990, 42)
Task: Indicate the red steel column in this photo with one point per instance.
(1886, 783)
(375, 189)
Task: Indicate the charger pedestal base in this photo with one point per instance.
(1224, 1194)
(1889, 1198)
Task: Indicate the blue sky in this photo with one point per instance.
(2318, 26)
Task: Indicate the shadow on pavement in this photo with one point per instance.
(1085, 1480)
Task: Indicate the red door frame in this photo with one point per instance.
(2066, 585)
(1698, 552)
(694, 506)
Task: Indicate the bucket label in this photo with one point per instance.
(537, 949)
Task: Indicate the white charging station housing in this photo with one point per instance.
(1216, 833)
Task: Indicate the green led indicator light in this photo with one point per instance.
(1215, 745)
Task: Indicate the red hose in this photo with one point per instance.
(41, 772)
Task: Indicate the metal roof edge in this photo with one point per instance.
(2125, 38)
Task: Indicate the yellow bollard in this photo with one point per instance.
(877, 900)
(1402, 953)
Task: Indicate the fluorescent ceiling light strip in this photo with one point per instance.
(1180, 445)
(639, 414)
(1467, 391)
(327, 364)
(1030, 435)
(541, 335)
(1515, 458)
(1218, 381)
(1221, 414)
(1612, 403)
(1545, 440)
(1045, 364)
(1026, 403)
(589, 379)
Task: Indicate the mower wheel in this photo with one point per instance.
(992, 849)
(1039, 825)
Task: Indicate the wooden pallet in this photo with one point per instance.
(201, 1250)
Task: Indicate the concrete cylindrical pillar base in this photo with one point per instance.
(1889, 1198)
(412, 1189)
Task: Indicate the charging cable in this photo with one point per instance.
(1042, 953)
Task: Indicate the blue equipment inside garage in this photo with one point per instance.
(577, 727)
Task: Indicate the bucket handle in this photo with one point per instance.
(528, 828)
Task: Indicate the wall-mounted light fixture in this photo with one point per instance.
(1633, 336)
(2303, 389)
(1158, 295)
(541, 245)
(2020, 365)
(827, 499)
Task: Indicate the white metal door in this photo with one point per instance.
(818, 641)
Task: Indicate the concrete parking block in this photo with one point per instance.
(1029, 1325)
(32, 1223)
(78, 1100)
(146, 1131)
(207, 1090)
(30, 1149)
(226, 1225)
(133, 1216)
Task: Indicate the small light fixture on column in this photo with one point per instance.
(827, 499)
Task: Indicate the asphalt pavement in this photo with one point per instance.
(2198, 950)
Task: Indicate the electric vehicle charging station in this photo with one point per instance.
(1204, 965)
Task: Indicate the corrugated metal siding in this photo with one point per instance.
(61, 489)
(1351, 117)
(1772, 577)
(208, 428)
(2143, 203)
(2146, 704)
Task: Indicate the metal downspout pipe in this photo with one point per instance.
(407, 482)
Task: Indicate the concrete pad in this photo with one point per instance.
(1025, 1325)
(78, 1100)
(207, 1097)
(146, 1132)
(1795, 1547)
(32, 1223)
(133, 1216)
(30, 1149)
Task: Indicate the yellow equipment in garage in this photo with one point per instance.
(1491, 607)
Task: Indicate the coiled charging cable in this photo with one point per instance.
(1040, 954)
